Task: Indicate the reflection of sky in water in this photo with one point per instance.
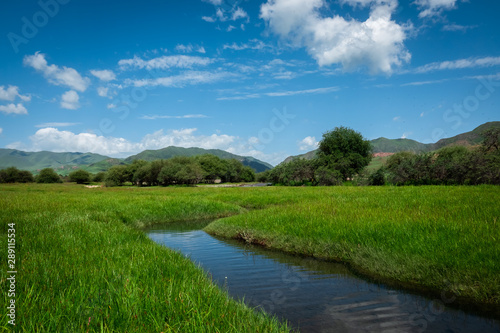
(313, 295)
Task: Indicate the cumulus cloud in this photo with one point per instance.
(308, 143)
(165, 62)
(64, 76)
(52, 139)
(13, 108)
(434, 7)
(189, 48)
(105, 75)
(69, 100)
(11, 93)
(376, 43)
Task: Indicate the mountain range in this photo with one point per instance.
(64, 163)
(384, 145)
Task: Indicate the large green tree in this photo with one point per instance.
(48, 175)
(80, 176)
(345, 151)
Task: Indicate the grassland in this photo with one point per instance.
(83, 265)
(81, 255)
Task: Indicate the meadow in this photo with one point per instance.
(84, 265)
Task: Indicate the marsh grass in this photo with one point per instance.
(85, 265)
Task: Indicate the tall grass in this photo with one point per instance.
(83, 268)
(84, 264)
(432, 238)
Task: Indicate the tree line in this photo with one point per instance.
(343, 155)
(454, 165)
(178, 170)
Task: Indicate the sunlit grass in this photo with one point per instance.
(84, 264)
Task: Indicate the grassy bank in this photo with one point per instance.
(81, 256)
(83, 265)
(433, 239)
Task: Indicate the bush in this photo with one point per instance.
(377, 178)
(47, 176)
(99, 177)
(79, 176)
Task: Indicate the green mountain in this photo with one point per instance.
(165, 153)
(33, 161)
(383, 145)
(64, 163)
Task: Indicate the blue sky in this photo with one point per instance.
(258, 78)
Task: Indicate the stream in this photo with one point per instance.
(313, 295)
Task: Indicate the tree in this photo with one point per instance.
(48, 175)
(79, 176)
(213, 167)
(345, 151)
(13, 175)
(116, 175)
(99, 177)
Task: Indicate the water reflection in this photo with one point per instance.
(314, 296)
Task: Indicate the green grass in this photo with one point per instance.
(81, 253)
(425, 238)
(83, 265)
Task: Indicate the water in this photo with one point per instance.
(313, 296)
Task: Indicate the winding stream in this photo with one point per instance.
(313, 296)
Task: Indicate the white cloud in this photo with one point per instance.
(239, 14)
(457, 27)
(11, 93)
(208, 19)
(253, 44)
(111, 106)
(187, 78)
(56, 125)
(184, 48)
(459, 64)
(281, 93)
(398, 118)
(376, 43)
(104, 75)
(406, 134)
(214, 2)
(1, 130)
(13, 108)
(434, 7)
(64, 76)
(187, 116)
(165, 62)
(55, 140)
(190, 48)
(230, 28)
(308, 143)
(69, 100)
(102, 91)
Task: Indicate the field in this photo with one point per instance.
(84, 265)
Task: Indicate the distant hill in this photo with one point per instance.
(33, 161)
(64, 163)
(165, 153)
(383, 145)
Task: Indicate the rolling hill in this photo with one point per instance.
(168, 152)
(33, 161)
(384, 145)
